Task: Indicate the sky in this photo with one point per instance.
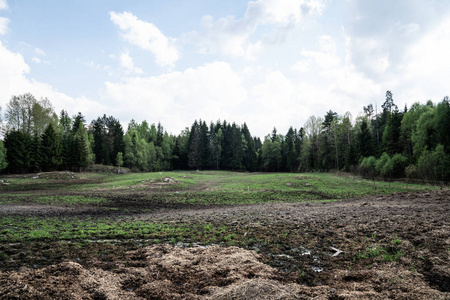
(268, 63)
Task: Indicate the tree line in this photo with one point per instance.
(391, 143)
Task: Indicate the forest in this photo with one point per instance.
(390, 143)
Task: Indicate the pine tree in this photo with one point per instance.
(194, 158)
(81, 149)
(291, 155)
(36, 153)
(250, 158)
(3, 159)
(18, 151)
(364, 138)
(51, 149)
(204, 146)
(391, 136)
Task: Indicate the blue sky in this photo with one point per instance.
(267, 63)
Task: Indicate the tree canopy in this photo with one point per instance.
(391, 143)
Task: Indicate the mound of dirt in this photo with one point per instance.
(169, 272)
(107, 169)
(159, 182)
(195, 270)
(55, 175)
(164, 272)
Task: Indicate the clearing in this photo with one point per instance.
(221, 235)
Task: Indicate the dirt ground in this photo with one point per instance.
(384, 247)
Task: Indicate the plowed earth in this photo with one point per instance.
(380, 247)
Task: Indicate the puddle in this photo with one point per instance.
(317, 269)
(281, 255)
(302, 251)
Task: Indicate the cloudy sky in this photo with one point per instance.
(269, 63)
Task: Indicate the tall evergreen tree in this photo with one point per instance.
(365, 141)
(51, 149)
(18, 151)
(194, 156)
(216, 142)
(391, 136)
(108, 139)
(36, 163)
(237, 153)
(3, 159)
(249, 155)
(81, 149)
(204, 146)
(291, 154)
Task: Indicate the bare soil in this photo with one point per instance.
(291, 251)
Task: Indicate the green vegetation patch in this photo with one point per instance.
(380, 252)
(23, 229)
(208, 188)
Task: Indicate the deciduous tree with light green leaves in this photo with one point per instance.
(119, 160)
(29, 115)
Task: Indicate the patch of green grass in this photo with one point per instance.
(393, 257)
(22, 229)
(211, 187)
(397, 241)
(379, 252)
(229, 237)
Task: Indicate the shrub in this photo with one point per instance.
(434, 165)
(384, 165)
(399, 162)
(411, 172)
(367, 166)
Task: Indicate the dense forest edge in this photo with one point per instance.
(412, 143)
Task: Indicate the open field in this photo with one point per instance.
(298, 236)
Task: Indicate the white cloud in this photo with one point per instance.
(146, 36)
(4, 25)
(370, 54)
(37, 60)
(14, 81)
(407, 30)
(3, 4)
(262, 97)
(39, 52)
(127, 62)
(284, 12)
(208, 92)
(231, 36)
(425, 74)
(302, 66)
(331, 82)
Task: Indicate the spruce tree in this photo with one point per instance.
(18, 151)
(51, 149)
(364, 139)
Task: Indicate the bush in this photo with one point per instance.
(411, 172)
(399, 162)
(384, 165)
(367, 167)
(434, 165)
(442, 167)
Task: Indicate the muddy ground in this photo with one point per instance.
(395, 246)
